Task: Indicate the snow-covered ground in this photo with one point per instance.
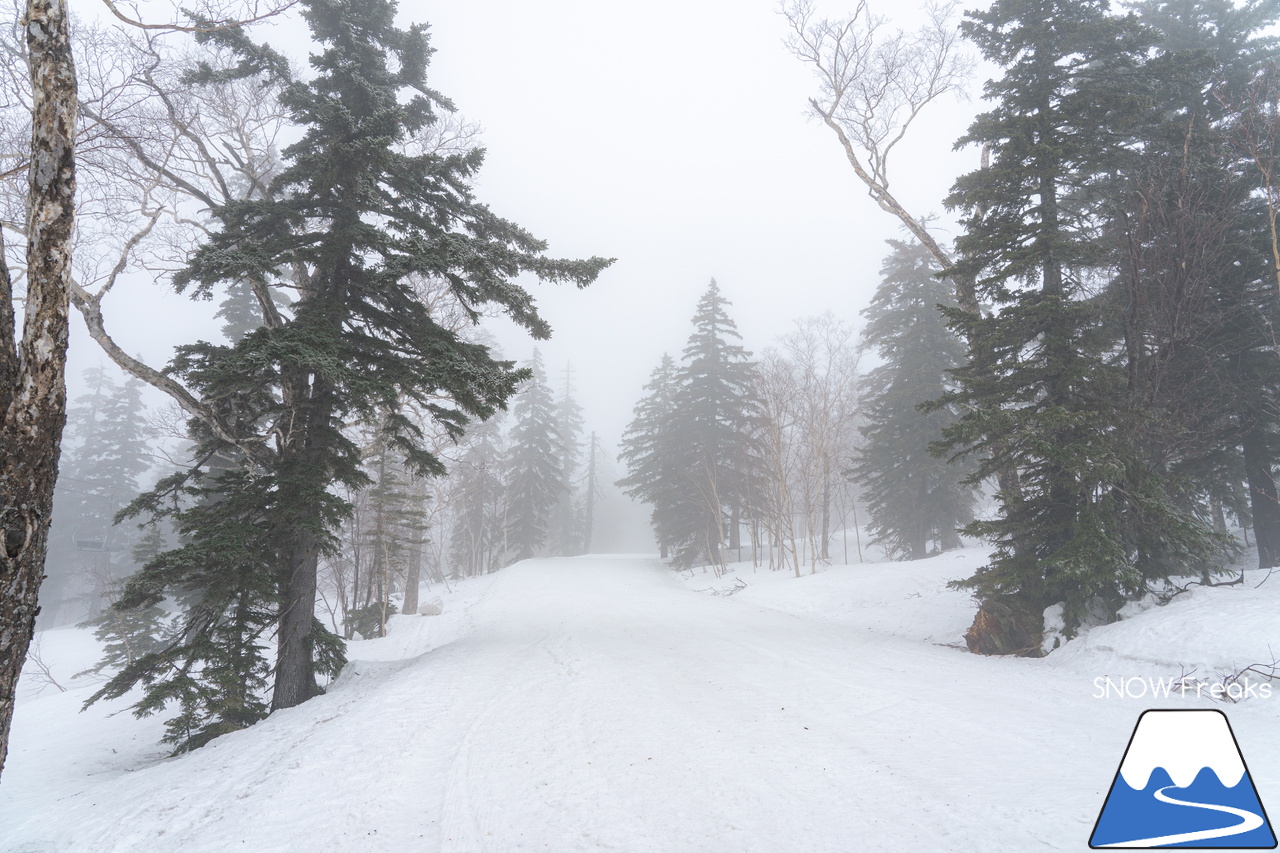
(608, 703)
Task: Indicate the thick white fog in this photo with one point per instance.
(673, 136)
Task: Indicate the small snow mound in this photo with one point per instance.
(1055, 627)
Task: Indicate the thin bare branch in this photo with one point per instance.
(873, 86)
(217, 22)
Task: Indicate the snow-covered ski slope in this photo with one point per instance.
(609, 703)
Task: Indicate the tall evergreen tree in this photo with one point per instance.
(393, 522)
(715, 411)
(534, 481)
(213, 661)
(566, 520)
(127, 635)
(110, 421)
(591, 493)
(914, 498)
(103, 462)
(352, 216)
(1041, 396)
(1198, 285)
(478, 498)
(649, 451)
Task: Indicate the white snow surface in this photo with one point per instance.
(610, 703)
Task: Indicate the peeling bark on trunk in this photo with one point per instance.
(33, 390)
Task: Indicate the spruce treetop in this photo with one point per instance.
(354, 216)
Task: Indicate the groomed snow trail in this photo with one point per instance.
(598, 703)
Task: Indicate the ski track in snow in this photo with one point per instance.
(597, 703)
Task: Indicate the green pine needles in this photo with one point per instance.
(534, 466)
(689, 449)
(915, 499)
(358, 212)
(1094, 512)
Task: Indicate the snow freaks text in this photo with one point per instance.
(1147, 687)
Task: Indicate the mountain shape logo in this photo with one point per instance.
(1183, 783)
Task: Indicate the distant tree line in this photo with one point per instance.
(768, 460)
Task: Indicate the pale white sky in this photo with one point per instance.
(673, 135)
(670, 134)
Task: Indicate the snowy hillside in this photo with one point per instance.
(608, 703)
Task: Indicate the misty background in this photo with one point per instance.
(675, 137)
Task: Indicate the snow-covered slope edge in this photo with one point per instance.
(1205, 633)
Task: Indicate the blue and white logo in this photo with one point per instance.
(1183, 783)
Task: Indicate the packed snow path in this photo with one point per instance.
(599, 703)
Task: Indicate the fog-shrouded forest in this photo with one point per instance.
(845, 348)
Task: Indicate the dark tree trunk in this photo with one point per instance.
(1262, 497)
(1219, 517)
(33, 377)
(713, 543)
(589, 516)
(918, 547)
(413, 574)
(302, 457)
(295, 666)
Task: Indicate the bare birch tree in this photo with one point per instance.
(873, 85)
(33, 393)
(775, 390)
(825, 365)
